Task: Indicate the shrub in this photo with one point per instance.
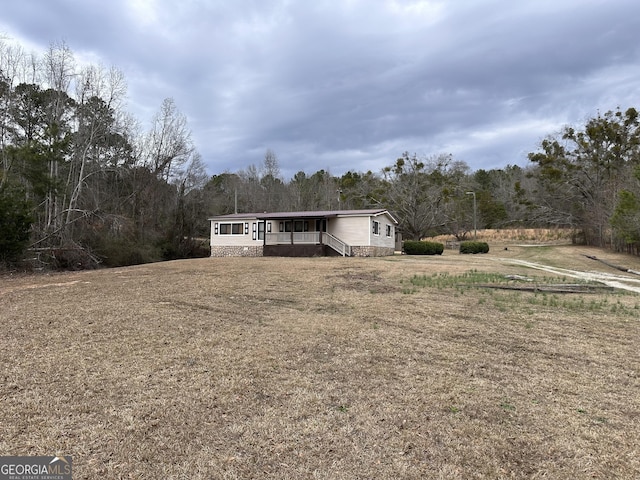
(412, 247)
(474, 247)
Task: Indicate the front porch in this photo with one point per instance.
(304, 244)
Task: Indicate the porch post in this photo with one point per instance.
(291, 223)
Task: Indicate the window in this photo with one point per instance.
(376, 228)
(232, 228)
(388, 230)
(285, 226)
(300, 226)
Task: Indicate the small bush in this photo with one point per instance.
(423, 248)
(474, 247)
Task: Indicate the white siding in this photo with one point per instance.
(351, 230)
(244, 239)
(358, 230)
(381, 240)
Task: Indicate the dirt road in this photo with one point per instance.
(622, 281)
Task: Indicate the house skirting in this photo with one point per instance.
(371, 251)
(295, 251)
(236, 251)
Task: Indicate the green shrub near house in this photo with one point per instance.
(474, 247)
(412, 247)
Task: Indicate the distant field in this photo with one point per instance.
(326, 368)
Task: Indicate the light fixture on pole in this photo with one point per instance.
(475, 225)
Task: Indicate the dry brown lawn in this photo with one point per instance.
(325, 368)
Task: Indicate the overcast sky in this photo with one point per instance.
(351, 84)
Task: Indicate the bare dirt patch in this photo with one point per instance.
(322, 368)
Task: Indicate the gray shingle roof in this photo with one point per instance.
(308, 214)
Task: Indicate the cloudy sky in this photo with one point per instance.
(351, 84)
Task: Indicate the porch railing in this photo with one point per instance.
(337, 244)
(309, 238)
(284, 238)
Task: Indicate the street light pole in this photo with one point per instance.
(475, 215)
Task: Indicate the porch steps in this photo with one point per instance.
(337, 244)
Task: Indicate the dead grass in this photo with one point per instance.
(514, 235)
(318, 368)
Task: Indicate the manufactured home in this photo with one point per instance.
(357, 233)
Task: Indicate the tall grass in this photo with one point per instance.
(534, 235)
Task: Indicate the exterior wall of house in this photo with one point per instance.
(244, 239)
(358, 232)
(385, 238)
(351, 230)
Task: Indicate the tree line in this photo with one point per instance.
(78, 169)
(82, 184)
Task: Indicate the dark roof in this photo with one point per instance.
(310, 214)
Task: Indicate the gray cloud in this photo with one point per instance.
(351, 85)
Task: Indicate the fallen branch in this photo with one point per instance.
(622, 269)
